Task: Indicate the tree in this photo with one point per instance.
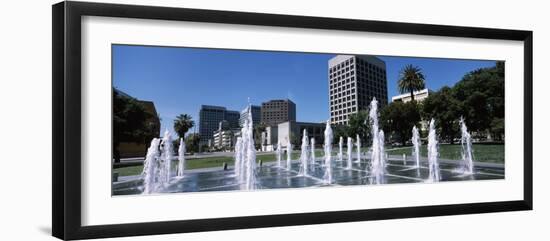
(182, 124)
(482, 94)
(445, 109)
(340, 131)
(397, 120)
(359, 125)
(192, 143)
(130, 123)
(411, 79)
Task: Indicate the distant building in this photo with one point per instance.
(225, 138)
(274, 112)
(294, 131)
(353, 81)
(256, 115)
(210, 117)
(418, 96)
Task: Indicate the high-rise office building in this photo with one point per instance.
(353, 81)
(210, 117)
(256, 115)
(278, 111)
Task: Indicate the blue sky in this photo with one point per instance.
(180, 80)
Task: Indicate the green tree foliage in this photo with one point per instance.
(397, 120)
(130, 123)
(192, 143)
(411, 79)
(445, 110)
(482, 94)
(340, 131)
(182, 124)
(358, 124)
(478, 97)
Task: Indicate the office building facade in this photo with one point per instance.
(210, 118)
(256, 115)
(354, 80)
(278, 111)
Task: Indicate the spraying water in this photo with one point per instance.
(404, 159)
(238, 156)
(312, 150)
(251, 155)
(466, 142)
(181, 158)
(358, 149)
(167, 156)
(350, 147)
(434, 175)
(378, 162)
(150, 167)
(279, 153)
(288, 154)
(304, 158)
(328, 153)
(416, 146)
(340, 147)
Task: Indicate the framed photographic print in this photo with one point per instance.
(169, 120)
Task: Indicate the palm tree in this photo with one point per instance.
(182, 124)
(411, 79)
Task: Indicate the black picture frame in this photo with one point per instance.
(66, 157)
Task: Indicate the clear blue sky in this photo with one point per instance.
(180, 80)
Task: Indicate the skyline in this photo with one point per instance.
(176, 82)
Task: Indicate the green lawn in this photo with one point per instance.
(211, 162)
(481, 152)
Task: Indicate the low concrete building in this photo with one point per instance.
(294, 130)
(418, 96)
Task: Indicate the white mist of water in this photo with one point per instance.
(279, 153)
(312, 150)
(238, 156)
(328, 153)
(378, 162)
(433, 154)
(304, 156)
(251, 154)
(288, 154)
(404, 159)
(150, 167)
(340, 147)
(466, 142)
(350, 148)
(416, 146)
(181, 158)
(358, 144)
(167, 156)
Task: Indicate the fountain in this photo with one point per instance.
(250, 155)
(304, 158)
(279, 153)
(150, 167)
(358, 149)
(181, 158)
(350, 147)
(328, 153)
(340, 145)
(312, 150)
(434, 175)
(416, 146)
(238, 156)
(167, 156)
(288, 154)
(466, 142)
(404, 159)
(378, 162)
